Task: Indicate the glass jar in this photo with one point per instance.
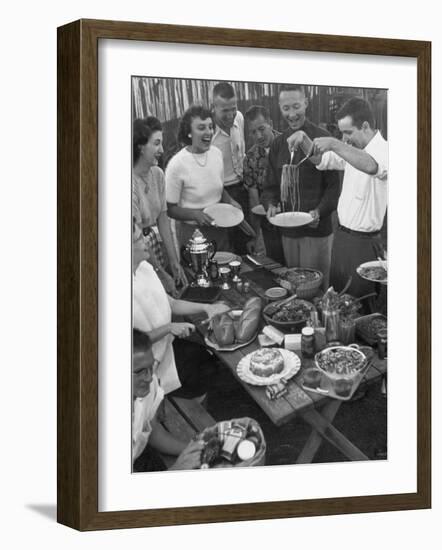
(308, 342)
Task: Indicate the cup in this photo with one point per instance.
(312, 378)
(347, 330)
(235, 266)
(343, 387)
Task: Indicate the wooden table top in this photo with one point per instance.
(296, 401)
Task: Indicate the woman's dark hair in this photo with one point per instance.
(142, 129)
(194, 111)
(359, 110)
(141, 341)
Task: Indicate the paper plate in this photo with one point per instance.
(225, 215)
(291, 219)
(363, 271)
(292, 364)
(259, 210)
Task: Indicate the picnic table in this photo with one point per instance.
(317, 410)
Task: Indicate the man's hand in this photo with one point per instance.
(272, 211)
(190, 458)
(256, 246)
(323, 144)
(203, 219)
(295, 140)
(181, 330)
(315, 215)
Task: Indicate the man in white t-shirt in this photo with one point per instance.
(147, 397)
(363, 155)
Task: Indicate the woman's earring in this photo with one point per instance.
(189, 135)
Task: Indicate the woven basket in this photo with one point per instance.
(257, 460)
(305, 290)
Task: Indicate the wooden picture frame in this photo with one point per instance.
(77, 225)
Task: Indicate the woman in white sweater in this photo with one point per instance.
(195, 179)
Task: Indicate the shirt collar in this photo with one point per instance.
(220, 130)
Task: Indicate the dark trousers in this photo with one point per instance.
(238, 239)
(349, 251)
(196, 368)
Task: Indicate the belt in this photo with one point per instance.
(359, 233)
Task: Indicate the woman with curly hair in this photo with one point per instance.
(149, 200)
(195, 179)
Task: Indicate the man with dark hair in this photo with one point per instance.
(363, 155)
(229, 138)
(148, 435)
(260, 129)
(309, 245)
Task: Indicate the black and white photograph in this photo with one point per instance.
(259, 273)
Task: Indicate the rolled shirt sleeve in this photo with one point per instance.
(331, 161)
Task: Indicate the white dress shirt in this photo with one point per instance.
(363, 200)
(144, 410)
(232, 146)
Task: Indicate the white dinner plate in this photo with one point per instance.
(292, 364)
(375, 263)
(291, 219)
(224, 215)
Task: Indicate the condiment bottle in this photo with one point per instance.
(308, 342)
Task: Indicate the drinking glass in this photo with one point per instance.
(347, 331)
(225, 273)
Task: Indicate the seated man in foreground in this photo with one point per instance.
(148, 435)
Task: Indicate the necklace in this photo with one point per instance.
(195, 156)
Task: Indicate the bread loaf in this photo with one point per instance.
(223, 329)
(249, 320)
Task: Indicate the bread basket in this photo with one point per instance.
(305, 282)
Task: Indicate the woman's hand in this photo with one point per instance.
(179, 274)
(235, 204)
(168, 282)
(203, 219)
(181, 330)
(216, 309)
(190, 458)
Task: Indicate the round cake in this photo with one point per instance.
(266, 361)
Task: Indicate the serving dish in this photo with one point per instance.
(292, 364)
(375, 271)
(305, 282)
(368, 327)
(290, 317)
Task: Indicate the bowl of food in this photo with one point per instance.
(304, 282)
(341, 362)
(290, 317)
